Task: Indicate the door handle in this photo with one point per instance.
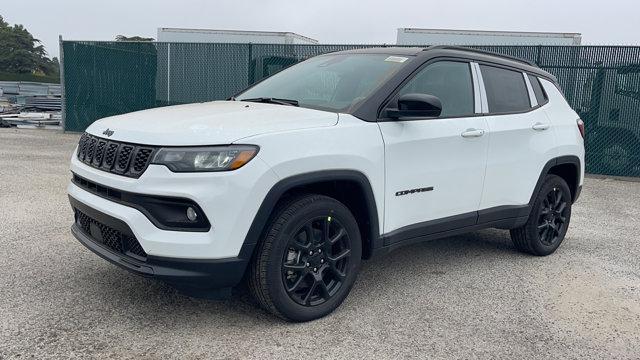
(471, 133)
(540, 126)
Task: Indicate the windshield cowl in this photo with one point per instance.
(267, 100)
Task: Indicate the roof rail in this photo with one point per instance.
(486, 52)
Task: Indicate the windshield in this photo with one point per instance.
(330, 82)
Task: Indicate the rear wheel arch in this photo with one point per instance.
(568, 168)
(350, 187)
(570, 173)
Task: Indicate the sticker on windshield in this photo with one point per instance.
(398, 59)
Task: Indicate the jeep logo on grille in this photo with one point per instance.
(107, 132)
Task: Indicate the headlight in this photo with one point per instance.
(209, 158)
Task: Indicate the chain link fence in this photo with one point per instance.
(602, 83)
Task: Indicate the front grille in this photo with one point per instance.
(114, 156)
(98, 155)
(110, 237)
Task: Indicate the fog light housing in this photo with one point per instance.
(192, 215)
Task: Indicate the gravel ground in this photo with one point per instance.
(470, 296)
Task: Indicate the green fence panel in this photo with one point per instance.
(105, 79)
(602, 83)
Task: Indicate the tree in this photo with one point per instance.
(132, 38)
(21, 53)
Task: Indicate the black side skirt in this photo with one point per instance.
(503, 217)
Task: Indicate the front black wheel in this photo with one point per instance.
(308, 260)
(548, 221)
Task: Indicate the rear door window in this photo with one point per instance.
(506, 90)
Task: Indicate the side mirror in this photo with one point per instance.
(416, 106)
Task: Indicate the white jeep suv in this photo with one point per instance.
(290, 184)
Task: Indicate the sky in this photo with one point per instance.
(329, 21)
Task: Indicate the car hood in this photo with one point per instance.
(212, 123)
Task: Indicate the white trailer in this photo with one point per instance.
(231, 36)
(413, 36)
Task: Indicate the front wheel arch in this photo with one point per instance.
(350, 187)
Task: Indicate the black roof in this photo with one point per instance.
(464, 52)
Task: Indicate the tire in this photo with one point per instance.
(297, 274)
(548, 221)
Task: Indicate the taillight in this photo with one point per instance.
(581, 127)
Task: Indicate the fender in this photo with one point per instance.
(281, 187)
(568, 159)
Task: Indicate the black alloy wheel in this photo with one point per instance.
(315, 265)
(553, 217)
(308, 260)
(548, 220)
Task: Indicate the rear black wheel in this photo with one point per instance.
(547, 225)
(309, 259)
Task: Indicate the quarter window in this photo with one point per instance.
(506, 90)
(541, 97)
(450, 81)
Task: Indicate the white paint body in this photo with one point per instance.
(432, 153)
(497, 166)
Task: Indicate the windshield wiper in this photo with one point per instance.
(273, 101)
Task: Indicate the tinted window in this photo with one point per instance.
(448, 80)
(537, 89)
(506, 90)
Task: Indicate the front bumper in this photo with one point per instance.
(230, 201)
(189, 275)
